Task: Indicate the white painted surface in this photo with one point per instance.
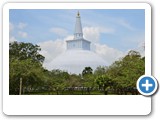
(74, 61)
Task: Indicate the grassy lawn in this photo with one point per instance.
(66, 93)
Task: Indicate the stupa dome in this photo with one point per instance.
(74, 61)
(78, 54)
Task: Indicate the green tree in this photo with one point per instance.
(104, 83)
(87, 70)
(101, 70)
(22, 51)
(59, 80)
(87, 79)
(30, 72)
(73, 83)
(126, 71)
(24, 62)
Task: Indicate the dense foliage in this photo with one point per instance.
(25, 63)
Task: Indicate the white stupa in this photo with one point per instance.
(78, 54)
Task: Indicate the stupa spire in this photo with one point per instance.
(78, 42)
(78, 34)
(78, 14)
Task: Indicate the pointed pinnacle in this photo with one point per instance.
(78, 14)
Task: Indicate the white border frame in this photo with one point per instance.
(74, 104)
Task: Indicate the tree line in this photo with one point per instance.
(27, 75)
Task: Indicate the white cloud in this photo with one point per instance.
(93, 33)
(51, 49)
(125, 24)
(13, 31)
(69, 37)
(107, 53)
(11, 27)
(59, 31)
(12, 39)
(22, 34)
(21, 25)
(141, 48)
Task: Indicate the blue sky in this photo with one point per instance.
(125, 24)
(116, 31)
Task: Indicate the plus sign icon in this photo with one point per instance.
(147, 85)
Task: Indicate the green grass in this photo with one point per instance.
(66, 93)
(75, 92)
